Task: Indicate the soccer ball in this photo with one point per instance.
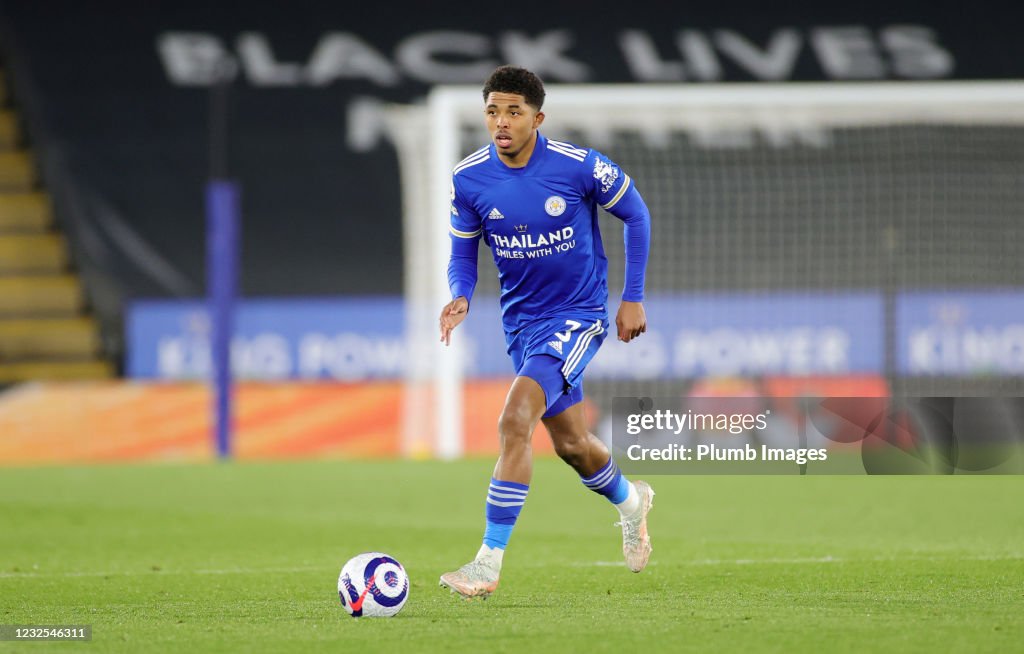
(373, 585)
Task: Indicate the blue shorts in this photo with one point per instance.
(554, 352)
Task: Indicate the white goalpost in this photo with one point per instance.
(752, 187)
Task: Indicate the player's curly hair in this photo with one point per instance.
(513, 79)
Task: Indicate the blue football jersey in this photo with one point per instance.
(540, 222)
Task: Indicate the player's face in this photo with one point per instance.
(512, 123)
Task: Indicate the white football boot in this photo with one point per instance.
(476, 579)
(636, 543)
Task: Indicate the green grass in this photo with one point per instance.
(245, 557)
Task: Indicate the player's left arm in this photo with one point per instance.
(615, 192)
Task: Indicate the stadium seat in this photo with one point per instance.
(39, 295)
(24, 212)
(32, 253)
(8, 130)
(55, 370)
(22, 338)
(16, 171)
(45, 332)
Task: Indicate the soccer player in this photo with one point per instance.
(535, 201)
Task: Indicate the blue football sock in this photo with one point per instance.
(608, 481)
(505, 500)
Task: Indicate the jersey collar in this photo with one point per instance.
(539, 150)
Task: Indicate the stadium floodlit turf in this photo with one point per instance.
(245, 557)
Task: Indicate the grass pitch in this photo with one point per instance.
(245, 557)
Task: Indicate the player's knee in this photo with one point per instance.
(571, 448)
(515, 426)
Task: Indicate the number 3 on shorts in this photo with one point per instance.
(566, 335)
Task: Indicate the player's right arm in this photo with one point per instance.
(464, 229)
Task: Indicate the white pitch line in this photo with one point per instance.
(132, 573)
(604, 564)
(809, 560)
(582, 564)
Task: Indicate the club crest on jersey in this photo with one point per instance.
(605, 173)
(555, 206)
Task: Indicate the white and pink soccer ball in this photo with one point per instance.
(373, 585)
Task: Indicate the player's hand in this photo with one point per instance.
(631, 320)
(452, 314)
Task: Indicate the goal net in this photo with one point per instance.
(802, 231)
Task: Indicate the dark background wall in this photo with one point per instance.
(125, 119)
